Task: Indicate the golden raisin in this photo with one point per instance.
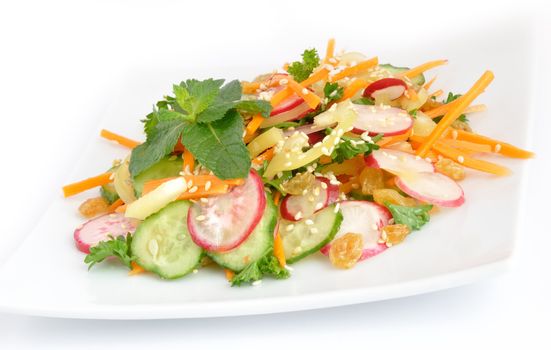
(387, 195)
(394, 234)
(300, 182)
(371, 179)
(458, 124)
(346, 250)
(450, 168)
(93, 206)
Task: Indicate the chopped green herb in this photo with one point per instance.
(118, 247)
(301, 70)
(413, 217)
(333, 92)
(268, 265)
(364, 101)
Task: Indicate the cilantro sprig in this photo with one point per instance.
(350, 147)
(205, 117)
(450, 98)
(267, 265)
(301, 70)
(118, 247)
(414, 217)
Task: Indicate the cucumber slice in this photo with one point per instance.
(256, 246)
(163, 245)
(303, 240)
(166, 167)
(108, 191)
(418, 80)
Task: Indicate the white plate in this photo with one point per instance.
(46, 275)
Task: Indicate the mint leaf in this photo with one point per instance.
(118, 247)
(160, 142)
(231, 91)
(333, 91)
(301, 70)
(268, 265)
(414, 217)
(226, 100)
(219, 146)
(194, 96)
(254, 107)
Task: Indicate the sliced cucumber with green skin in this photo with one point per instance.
(108, 193)
(256, 246)
(166, 167)
(418, 80)
(163, 245)
(301, 239)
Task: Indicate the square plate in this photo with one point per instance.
(459, 245)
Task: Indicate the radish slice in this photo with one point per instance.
(298, 207)
(398, 162)
(386, 88)
(297, 111)
(99, 229)
(314, 132)
(434, 188)
(224, 221)
(287, 105)
(384, 120)
(366, 218)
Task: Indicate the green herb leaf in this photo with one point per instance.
(414, 217)
(364, 101)
(254, 107)
(268, 265)
(118, 247)
(450, 98)
(224, 101)
(350, 148)
(219, 146)
(301, 70)
(194, 96)
(333, 92)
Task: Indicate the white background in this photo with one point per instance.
(58, 62)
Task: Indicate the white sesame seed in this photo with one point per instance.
(461, 159)
(190, 183)
(311, 198)
(200, 217)
(298, 215)
(283, 81)
(332, 60)
(305, 192)
(289, 227)
(123, 226)
(207, 185)
(388, 244)
(355, 186)
(244, 133)
(288, 164)
(305, 91)
(337, 207)
(323, 185)
(454, 134)
(313, 230)
(257, 283)
(112, 215)
(193, 189)
(319, 206)
(204, 200)
(288, 268)
(497, 148)
(111, 176)
(309, 222)
(263, 86)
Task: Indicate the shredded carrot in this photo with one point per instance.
(252, 87)
(189, 161)
(467, 146)
(277, 197)
(84, 185)
(412, 94)
(308, 96)
(279, 252)
(136, 269)
(463, 102)
(121, 209)
(325, 160)
(412, 73)
(354, 70)
(353, 88)
(121, 140)
(214, 184)
(500, 147)
(440, 110)
(330, 51)
(267, 155)
(281, 95)
(390, 140)
(115, 205)
(430, 82)
(253, 125)
(229, 274)
(469, 162)
(475, 109)
(436, 93)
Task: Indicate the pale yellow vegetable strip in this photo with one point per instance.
(330, 50)
(264, 141)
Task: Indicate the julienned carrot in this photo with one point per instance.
(266, 155)
(229, 274)
(430, 82)
(279, 253)
(281, 95)
(121, 209)
(330, 51)
(357, 69)
(500, 147)
(115, 205)
(121, 140)
(277, 197)
(440, 110)
(81, 186)
(390, 140)
(436, 93)
(353, 88)
(454, 112)
(251, 128)
(469, 162)
(467, 146)
(188, 161)
(250, 88)
(136, 269)
(204, 183)
(412, 73)
(325, 160)
(308, 96)
(411, 94)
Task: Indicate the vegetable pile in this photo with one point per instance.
(340, 155)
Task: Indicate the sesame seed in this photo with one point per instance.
(355, 186)
(313, 230)
(311, 198)
(323, 185)
(454, 134)
(123, 226)
(200, 217)
(298, 215)
(195, 270)
(283, 81)
(244, 133)
(319, 206)
(112, 215)
(289, 227)
(112, 176)
(190, 183)
(332, 60)
(193, 189)
(263, 86)
(461, 159)
(305, 91)
(337, 207)
(497, 148)
(257, 283)
(288, 164)
(288, 268)
(207, 185)
(204, 200)
(388, 244)
(309, 222)
(305, 191)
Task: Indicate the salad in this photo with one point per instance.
(337, 155)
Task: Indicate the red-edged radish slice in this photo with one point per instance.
(298, 207)
(224, 221)
(296, 112)
(365, 218)
(386, 88)
(315, 132)
(434, 188)
(384, 120)
(99, 229)
(398, 162)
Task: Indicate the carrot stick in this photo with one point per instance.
(422, 68)
(353, 88)
(357, 69)
(115, 205)
(330, 51)
(441, 110)
(121, 140)
(267, 155)
(430, 82)
(500, 147)
(136, 269)
(121, 209)
(277, 197)
(189, 161)
(250, 88)
(436, 93)
(281, 95)
(390, 140)
(229, 274)
(81, 186)
(468, 146)
(253, 125)
(308, 96)
(469, 162)
(214, 184)
(463, 102)
(279, 253)
(325, 160)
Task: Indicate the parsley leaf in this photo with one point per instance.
(364, 101)
(333, 92)
(301, 70)
(219, 146)
(268, 265)
(414, 217)
(350, 148)
(118, 247)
